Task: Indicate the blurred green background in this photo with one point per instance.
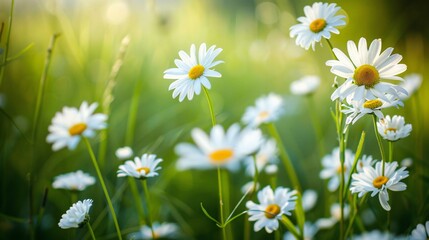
(259, 58)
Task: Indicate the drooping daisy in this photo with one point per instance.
(305, 86)
(421, 232)
(309, 199)
(271, 207)
(77, 215)
(192, 72)
(74, 181)
(394, 128)
(335, 210)
(365, 71)
(361, 108)
(161, 230)
(267, 109)
(124, 153)
(310, 231)
(141, 168)
(411, 84)
(265, 155)
(373, 180)
(320, 20)
(220, 148)
(70, 125)
(332, 167)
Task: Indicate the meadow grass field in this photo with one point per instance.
(60, 57)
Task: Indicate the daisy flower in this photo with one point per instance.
(124, 153)
(70, 125)
(411, 84)
(192, 73)
(141, 168)
(320, 20)
(393, 129)
(220, 148)
(365, 71)
(335, 210)
(77, 215)
(365, 161)
(358, 109)
(266, 154)
(75, 181)
(332, 167)
(267, 109)
(421, 232)
(305, 86)
(372, 180)
(271, 207)
(161, 230)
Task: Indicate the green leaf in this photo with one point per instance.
(210, 217)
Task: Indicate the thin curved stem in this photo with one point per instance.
(380, 144)
(209, 101)
(90, 230)
(149, 216)
(103, 185)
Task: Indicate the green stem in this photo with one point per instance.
(355, 161)
(209, 101)
(250, 196)
(342, 147)
(219, 181)
(290, 227)
(90, 230)
(137, 200)
(390, 151)
(103, 185)
(149, 217)
(332, 48)
(285, 157)
(6, 49)
(352, 219)
(380, 144)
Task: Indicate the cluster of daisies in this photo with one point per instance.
(364, 91)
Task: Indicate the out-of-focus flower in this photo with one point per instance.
(271, 207)
(421, 232)
(271, 169)
(411, 84)
(77, 215)
(161, 230)
(365, 71)
(70, 125)
(192, 72)
(250, 187)
(326, 223)
(141, 168)
(320, 20)
(265, 155)
(365, 161)
(124, 153)
(220, 148)
(373, 180)
(332, 167)
(309, 199)
(377, 234)
(74, 181)
(305, 86)
(407, 162)
(394, 128)
(267, 109)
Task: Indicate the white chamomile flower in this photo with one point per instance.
(365, 71)
(411, 84)
(358, 109)
(271, 207)
(74, 181)
(335, 210)
(310, 231)
(332, 167)
(161, 230)
(309, 199)
(267, 109)
(220, 148)
(266, 155)
(372, 180)
(192, 72)
(305, 86)
(421, 232)
(124, 153)
(70, 125)
(365, 161)
(320, 20)
(141, 168)
(77, 215)
(393, 129)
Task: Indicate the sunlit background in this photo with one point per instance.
(260, 58)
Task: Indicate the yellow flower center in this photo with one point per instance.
(390, 129)
(379, 181)
(372, 104)
(339, 170)
(145, 169)
(272, 211)
(221, 155)
(77, 129)
(263, 115)
(318, 25)
(366, 75)
(196, 72)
